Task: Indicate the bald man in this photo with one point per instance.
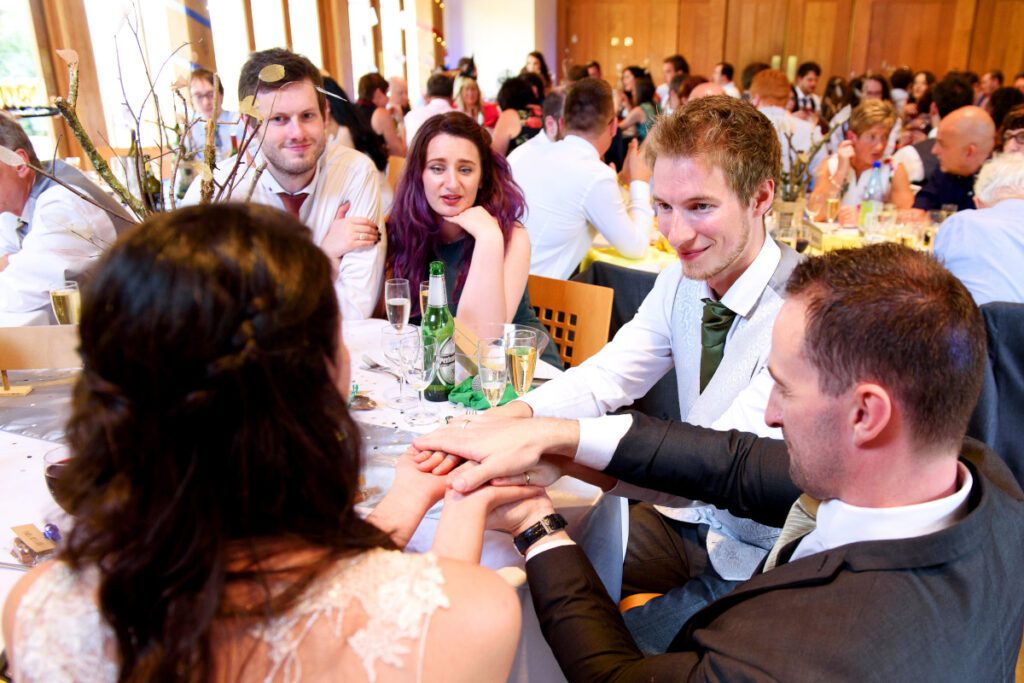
(706, 89)
(964, 142)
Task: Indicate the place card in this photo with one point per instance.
(31, 545)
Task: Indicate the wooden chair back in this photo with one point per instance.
(39, 347)
(395, 167)
(576, 314)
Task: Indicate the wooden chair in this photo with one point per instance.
(576, 314)
(395, 167)
(38, 347)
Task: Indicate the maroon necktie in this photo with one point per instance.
(293, 202)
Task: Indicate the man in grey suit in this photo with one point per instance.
(715, 165)
(906, 563)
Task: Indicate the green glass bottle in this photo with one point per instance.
(439, 325)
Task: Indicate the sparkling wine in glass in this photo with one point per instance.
(832, 209)
(424, 295)
(396, 302)
(419, 363)
(66, 301)
(521, 359)
(391, 341)
(491, 363)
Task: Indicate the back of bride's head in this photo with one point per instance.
(207, 414)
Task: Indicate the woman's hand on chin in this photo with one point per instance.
(477, 222)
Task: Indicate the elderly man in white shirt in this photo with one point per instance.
(439, 101)
(710, 317)
(334, 191)
(49, 232)
(571, 195)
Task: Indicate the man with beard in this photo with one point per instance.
(335, 192)
(903, 532)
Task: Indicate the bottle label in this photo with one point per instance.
(446, 362)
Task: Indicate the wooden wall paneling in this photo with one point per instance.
(68, 27)
(998, 38)
(336, 41)
(755, 30)
(48, 72)
(702, 34)
(921, 34)
(819, 31)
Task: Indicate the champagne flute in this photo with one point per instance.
(832, 208)
(490, 360)
(419, 363)
(521, 355)
(66, 301)
(391, 340)
(424, 296)
(396, 302)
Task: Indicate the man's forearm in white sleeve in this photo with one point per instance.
(624, 370)
(625, 227)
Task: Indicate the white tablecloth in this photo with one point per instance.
(595, 521)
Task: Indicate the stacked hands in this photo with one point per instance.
(491, 472)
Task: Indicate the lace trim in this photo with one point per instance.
(59, 634)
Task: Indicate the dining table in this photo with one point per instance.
(32, 425)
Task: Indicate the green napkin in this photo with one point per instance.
(465, 395)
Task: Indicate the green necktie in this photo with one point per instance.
(714, 328)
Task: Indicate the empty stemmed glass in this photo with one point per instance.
(397, 302)
(391, 342)
(490, 360)
(419, 363)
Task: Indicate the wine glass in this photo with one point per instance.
(396, 302)
(66, 301)
(54, 462)
(832, 207)
(490, 361)
(424, 296)
(521, 356)
(391, 341)
(419, 364)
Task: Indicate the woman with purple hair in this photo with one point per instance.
(456, 202)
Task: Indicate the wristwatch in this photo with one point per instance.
(548, 524)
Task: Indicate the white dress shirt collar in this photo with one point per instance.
(839, 523)
(744, 293)
(268, 181)
(581, 144)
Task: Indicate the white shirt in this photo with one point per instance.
(640, 354)
(342, 174)
(805, 135)
(64, 230)
(538, 141)
(731, 90)
(662, 92)
(418, 116)
(801, 96)
(229, 123)
(840, 523)
(911, 160)
(571, 196)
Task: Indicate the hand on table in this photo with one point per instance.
(439, 462)
(505, 447)
(849, 215)
(348, 233)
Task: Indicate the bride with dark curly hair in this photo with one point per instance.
(213, 483)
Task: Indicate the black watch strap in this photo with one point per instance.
(548, 524)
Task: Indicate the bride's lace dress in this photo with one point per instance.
(364, 619)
